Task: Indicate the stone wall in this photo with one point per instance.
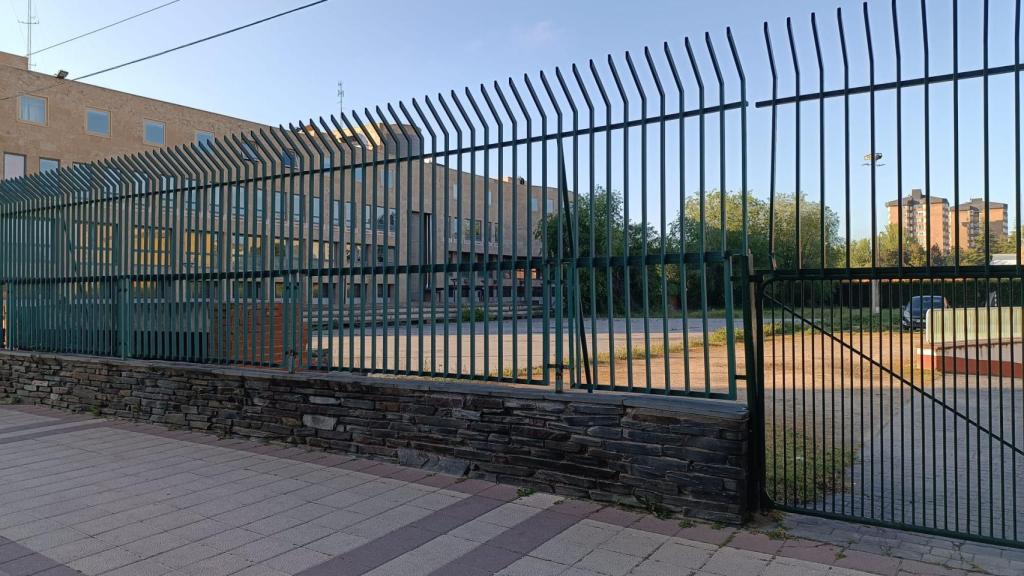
(678, 454)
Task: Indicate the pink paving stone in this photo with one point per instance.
(408, 475)
(501, 492)
(471, 486)
(237, 443)
(657, 525)
(810, 551)
(867, 562)
(755, 543)
(577, 508)
(357, 465)
(262, 449)
(332, 460)
(438, 481)
(383, 469)
(615, 516)
(707, 534)
(313, 457)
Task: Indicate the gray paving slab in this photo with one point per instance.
(117, 499)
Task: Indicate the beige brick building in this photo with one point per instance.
(921, 214)
(343, 216)
(48, 123)
(968, 222)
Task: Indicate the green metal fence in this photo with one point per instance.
(531, 231)
(597, 228)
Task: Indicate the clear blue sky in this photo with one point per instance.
(387, 51)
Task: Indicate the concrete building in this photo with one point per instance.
(48, 123)
(352, 216)
(968, 223)
(921, 214)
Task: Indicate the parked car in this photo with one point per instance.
(915, 312)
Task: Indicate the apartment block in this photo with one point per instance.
(968, 221)
(925, 220)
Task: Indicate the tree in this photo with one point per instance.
(601, 222)
(889, 252)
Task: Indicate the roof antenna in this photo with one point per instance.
(29, 22)
(341, 98)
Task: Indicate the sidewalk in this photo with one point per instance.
(84, 495)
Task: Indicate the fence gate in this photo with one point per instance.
(896, 399)
(891, 366)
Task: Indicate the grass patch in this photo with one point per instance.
(654, 508)
(716, 338)
(473, 315)
(839, 319)
(524, 491)
(799, 471)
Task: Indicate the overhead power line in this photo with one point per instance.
(108, 26)
(200, 41)
(175, 49)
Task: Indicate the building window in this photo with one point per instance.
(550, 206)
(358, 172)
(192, 195)
(240, 200)
(48, 164)
(316, 210)
(14, 166)
(335, 212)
(534, 205)
(249, 152)
(278, 205)
(204, 140)
(97, 122)
(348, 214)
(32, 109)
(153, 132)
(288, 158)
(488, 197)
